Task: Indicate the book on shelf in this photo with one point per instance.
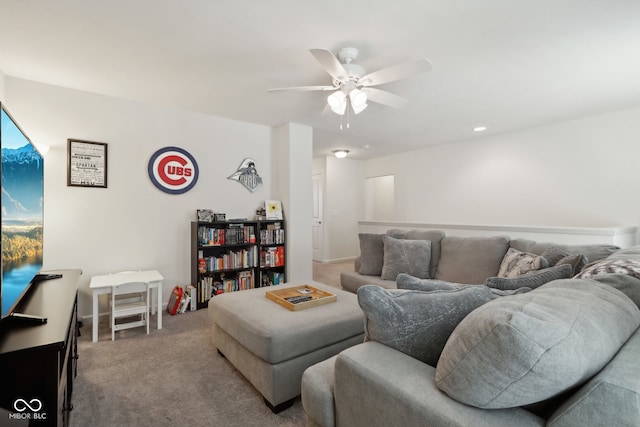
(235, 234)
(193, 297)
(272, 257)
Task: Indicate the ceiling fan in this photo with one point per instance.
(352, 86)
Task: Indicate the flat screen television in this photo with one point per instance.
(22, 213)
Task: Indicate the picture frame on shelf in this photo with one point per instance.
(273, 209)
(86, 163)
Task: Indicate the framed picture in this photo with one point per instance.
(273, 209)
(86, 164)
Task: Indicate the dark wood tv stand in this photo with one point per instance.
(38, 362)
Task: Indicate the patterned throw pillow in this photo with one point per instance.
(516, 263)
(629, 267)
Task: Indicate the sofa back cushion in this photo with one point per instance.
(471, 260)
(530, 347)
(434, 236)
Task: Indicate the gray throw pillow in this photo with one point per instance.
(553, 254)
(527, 348)
(414, 322)
(405, 256)
(516, 263)
(372, 253)
(434, 236)
(531, 280)
(577, 262)
(406, 281)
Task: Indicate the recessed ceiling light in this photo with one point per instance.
(479, 128)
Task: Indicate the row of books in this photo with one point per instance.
(268, 237)
(271, 278)
(209, 286)
(272, 257)
(234, 235)
(231, 260)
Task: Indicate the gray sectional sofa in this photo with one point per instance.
(469, 260)
(477, 344)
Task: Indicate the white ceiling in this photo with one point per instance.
(505, 64)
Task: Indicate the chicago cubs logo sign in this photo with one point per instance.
(173, 170)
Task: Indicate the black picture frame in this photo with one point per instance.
(86, 163)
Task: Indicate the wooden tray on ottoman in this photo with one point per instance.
(318, 297)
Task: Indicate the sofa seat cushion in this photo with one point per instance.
(471, 259)
(527, 348)
(405, 256)
(418, 323)
(352, 280)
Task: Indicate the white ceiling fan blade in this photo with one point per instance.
(302, 88)
(396, 72)
(330, 63)
(385, 98)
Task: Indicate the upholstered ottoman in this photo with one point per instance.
(272, 346)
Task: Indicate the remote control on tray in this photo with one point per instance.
(298, 298)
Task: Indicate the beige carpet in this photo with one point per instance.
(171, 377)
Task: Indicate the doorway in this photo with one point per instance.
(317, 219)
(379, 196)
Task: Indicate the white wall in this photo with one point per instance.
(292, 161)
(343, 207)
(580, 173)
(131, 224)
(1, 86)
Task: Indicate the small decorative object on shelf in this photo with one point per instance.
(234, 255)
(261, 214)
(273, 209)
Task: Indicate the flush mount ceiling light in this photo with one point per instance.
(479, 128)
(341, 154)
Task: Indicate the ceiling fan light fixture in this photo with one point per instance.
(341, 154)
(358, 108)
(358, 97)
(338, 102)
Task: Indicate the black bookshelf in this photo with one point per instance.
(230, 256)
